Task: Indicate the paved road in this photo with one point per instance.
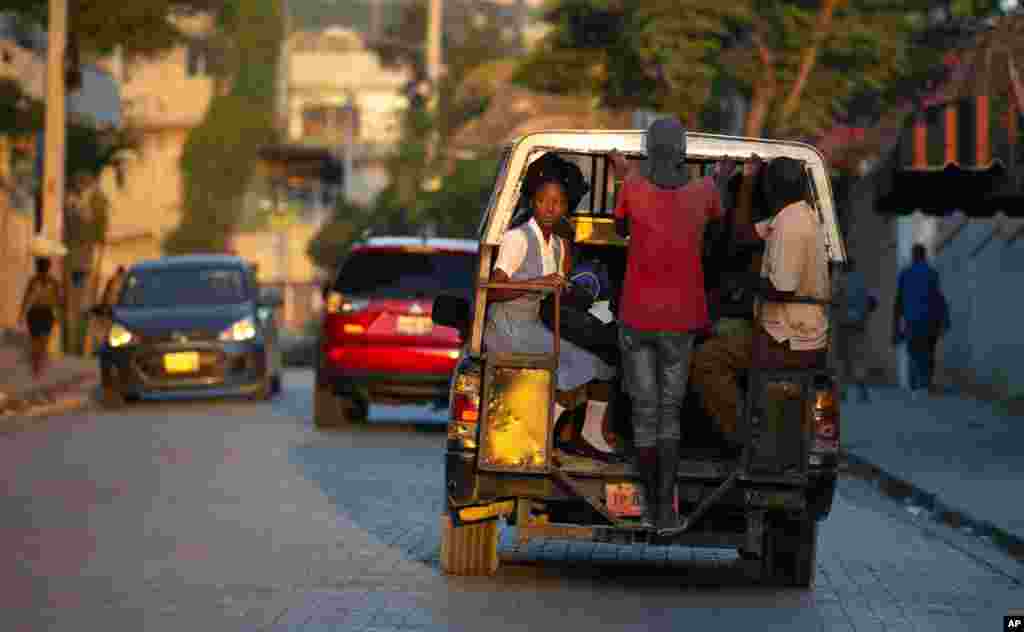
(240, 516)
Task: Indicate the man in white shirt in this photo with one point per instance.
(784, 335)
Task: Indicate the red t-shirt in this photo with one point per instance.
(664, 285)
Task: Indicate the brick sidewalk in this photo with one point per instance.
(66, 383)
(958, 457)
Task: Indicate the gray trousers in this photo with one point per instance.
(656, 368)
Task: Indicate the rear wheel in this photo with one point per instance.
(110, 395)
(331, 410)
(469, 550)
(266, 390)
(790, 554)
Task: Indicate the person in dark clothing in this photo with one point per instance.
(857, 304)
(39, 311)
(920, 318)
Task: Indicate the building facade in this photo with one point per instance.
(340, 97)
(96, 103)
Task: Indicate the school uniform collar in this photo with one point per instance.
(539, 233)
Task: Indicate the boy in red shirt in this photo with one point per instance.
(663, 302)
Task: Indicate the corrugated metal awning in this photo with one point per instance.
(949, 158)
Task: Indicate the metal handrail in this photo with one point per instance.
(535, 287)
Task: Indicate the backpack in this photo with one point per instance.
(856, 303)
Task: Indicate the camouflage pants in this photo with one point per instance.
(718, 361)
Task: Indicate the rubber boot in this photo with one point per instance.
(668, 467)
(646, 462)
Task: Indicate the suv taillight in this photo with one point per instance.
(826, 421)
(338, 304)
(465, 410)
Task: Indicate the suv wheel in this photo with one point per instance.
(331, 410)
(110, 395)
(791, 552)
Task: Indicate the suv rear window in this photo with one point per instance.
(393, 274)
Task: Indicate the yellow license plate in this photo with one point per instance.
(414, 325)
(184, 362)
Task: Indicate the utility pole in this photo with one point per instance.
(55, 130)
(435, 32)
(375, 19)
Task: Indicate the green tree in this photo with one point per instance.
(221, 153)
(799, 63)
(140, 27)
(332, 242)
(456, 207)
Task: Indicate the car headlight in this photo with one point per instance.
(244, 329)
(119, 336)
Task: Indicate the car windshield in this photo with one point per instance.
(389, 274)
(169, 287)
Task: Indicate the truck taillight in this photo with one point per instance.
(465, 410)
(826, 421)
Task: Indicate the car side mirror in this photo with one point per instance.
(100, 311)
(451, 311)
(270, 297)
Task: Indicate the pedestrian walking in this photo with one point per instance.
(920, 318)
(663, 303)
(111, 292)
(857, 303)
(43, 295)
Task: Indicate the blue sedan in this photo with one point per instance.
(190, 325)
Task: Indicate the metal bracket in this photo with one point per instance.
(598, 506)
(755, 532)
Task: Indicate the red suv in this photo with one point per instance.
(377, 341)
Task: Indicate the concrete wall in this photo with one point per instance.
(980, 267)
(981, 275)
(298, 277)
(15, 259)
(162, 101)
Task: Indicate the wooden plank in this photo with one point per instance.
(523, 520)
(520, 360)
(550, 531)
(469, 550)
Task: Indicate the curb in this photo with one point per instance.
(910, 494)
(64, 396)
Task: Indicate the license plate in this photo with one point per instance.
(414, 325)
(624, 500)
(184, 362)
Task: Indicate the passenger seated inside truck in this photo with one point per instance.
(530, 251)
(784, 335)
